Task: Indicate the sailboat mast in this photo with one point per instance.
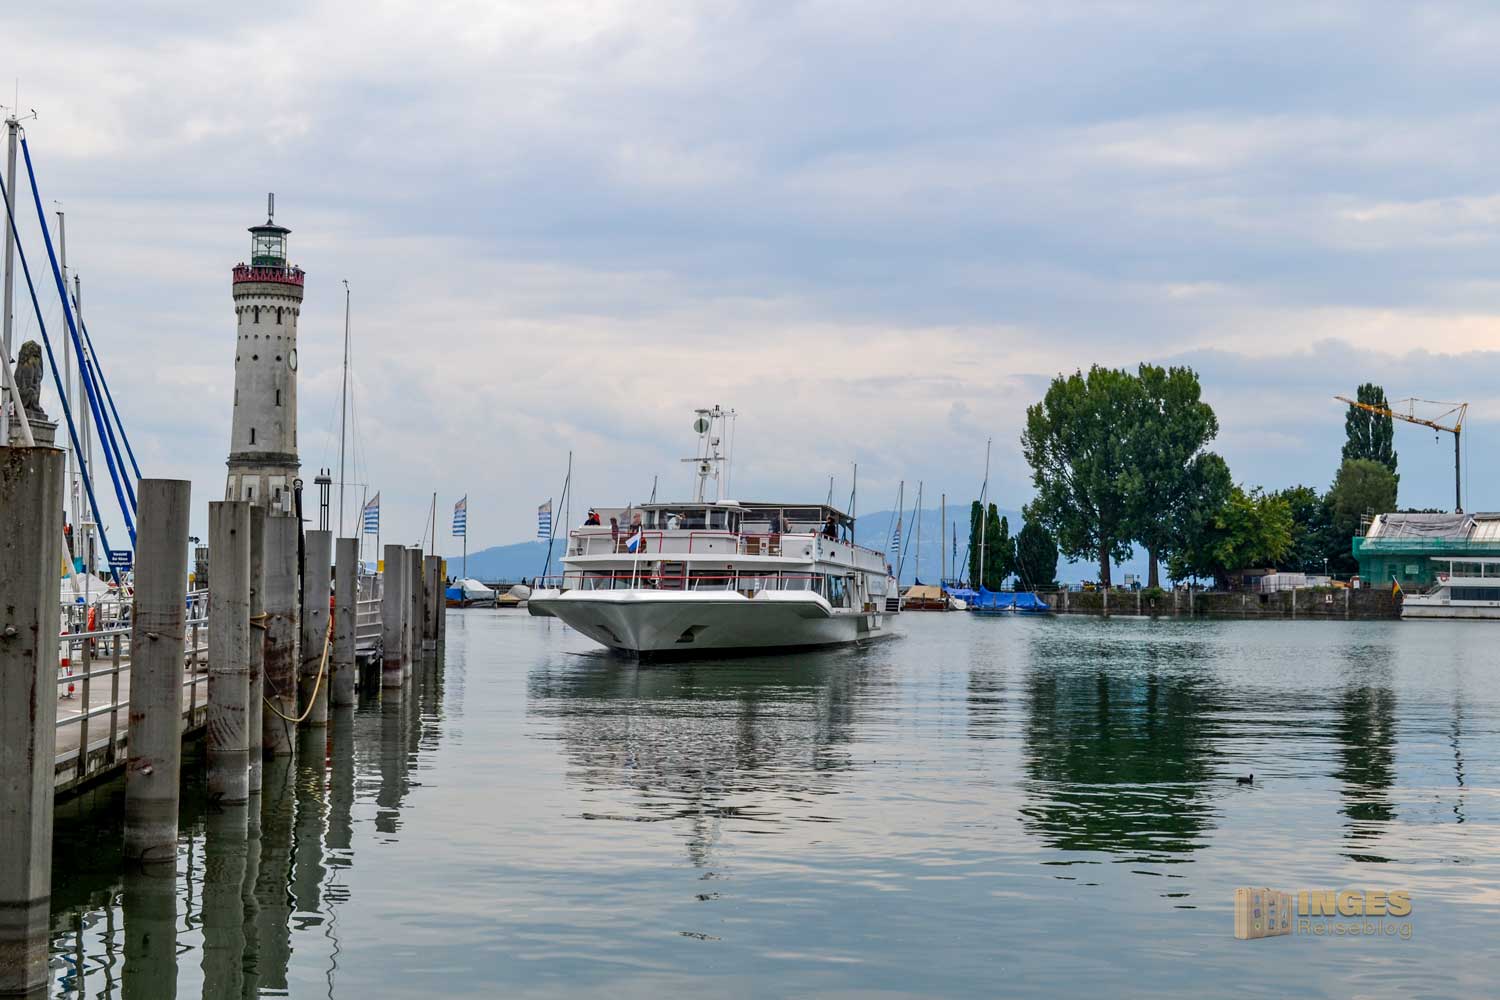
(343, 407)
(12, 127)
(984, 491)
(943, 540)
(917, 518)
(67, 380)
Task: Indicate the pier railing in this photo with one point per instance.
(85, 747)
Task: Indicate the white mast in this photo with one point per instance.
(984, 491)
(67, 381)
(917, 518)
(12, 126)
(344, 408)
(709, 423)
(942, 541)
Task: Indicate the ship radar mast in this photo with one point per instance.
(710, 459)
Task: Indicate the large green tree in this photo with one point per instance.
(1362, 487)
(1310, 530)
(1036, 557)
(1078, 443)
(1250, 529)
(1370, 435)
(1167, 438)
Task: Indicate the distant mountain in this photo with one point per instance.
(525, 559)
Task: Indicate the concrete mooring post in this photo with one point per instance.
(229, 651)
(433, 602)
(254, 685)
(279, 672)
(156, 670)
(415, 612)
(318, 556)
(345, 620)
(393, 582)
(31, 503)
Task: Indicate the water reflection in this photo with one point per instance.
(1120, 756)
(250, 903)
(753, 742)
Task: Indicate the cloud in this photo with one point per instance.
(874, 229)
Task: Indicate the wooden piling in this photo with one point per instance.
(414, 614)
(157, 637)
(279, 672)
(229, 651)
(31, 504)
(432, 602)
(254, 683)
(318, 556)
(345, 621)
(394, 583)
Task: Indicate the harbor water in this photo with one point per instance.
(982, 807)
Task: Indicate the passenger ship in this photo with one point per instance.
(1465, 588)
(713, 575)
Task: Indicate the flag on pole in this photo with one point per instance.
(633, 543)
(544, 522)
(461, 518)
(372, 516)
(896, 537)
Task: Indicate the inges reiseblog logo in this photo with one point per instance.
(1262, 913)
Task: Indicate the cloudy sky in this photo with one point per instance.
(875, 229)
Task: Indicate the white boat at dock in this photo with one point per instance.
(1464, 588)
(717, 575)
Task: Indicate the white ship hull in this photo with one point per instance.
(1417, 607)
(655, 623)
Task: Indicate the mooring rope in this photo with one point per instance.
(313, 699)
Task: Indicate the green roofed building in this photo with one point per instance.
(1408, 548)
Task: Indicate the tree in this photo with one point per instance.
(1370, 435)
(1167, 438)
(1250, 529)
(1077, 441)
(1036, 557)
(974, 573)
(1311, 533)
(999, 552)
(1362, 487)
(998, 546)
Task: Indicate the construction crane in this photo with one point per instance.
(1457, 411)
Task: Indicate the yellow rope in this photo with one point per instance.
(327, 639)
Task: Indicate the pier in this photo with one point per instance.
(172, 669)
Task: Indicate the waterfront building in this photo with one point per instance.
(1407, 548)
(267, 300)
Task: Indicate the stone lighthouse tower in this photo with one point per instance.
(267, 298)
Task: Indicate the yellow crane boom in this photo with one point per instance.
(1455, 410)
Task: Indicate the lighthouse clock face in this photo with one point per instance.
(291, 359)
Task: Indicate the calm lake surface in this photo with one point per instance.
(985, 807)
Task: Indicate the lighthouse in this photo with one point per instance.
(267, 299)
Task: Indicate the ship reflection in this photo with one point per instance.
(1364, 730)
(749, 744)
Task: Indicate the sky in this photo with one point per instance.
(876, 230)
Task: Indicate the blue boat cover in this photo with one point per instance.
(1005, 600)
(455, 593)
(962, 593)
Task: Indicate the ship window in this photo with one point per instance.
(278, 397)
(1466, 569)
(1492, 570)
(1476, 593)
(252, 435)
(257, 314)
